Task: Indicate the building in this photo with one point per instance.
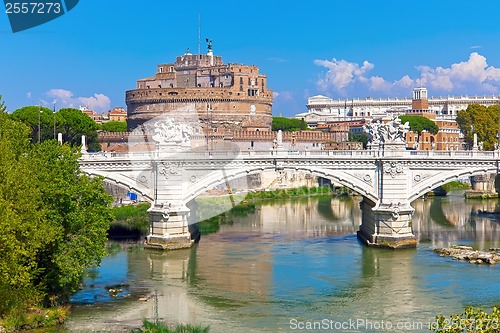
(117, 114)
(321, 109)
(225, 96)
(449, 136)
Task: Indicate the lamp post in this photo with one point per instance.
(54, 113)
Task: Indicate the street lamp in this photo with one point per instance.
(54, 113)
(39, 111)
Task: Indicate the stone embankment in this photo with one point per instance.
(467, 253)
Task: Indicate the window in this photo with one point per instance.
(241, 80)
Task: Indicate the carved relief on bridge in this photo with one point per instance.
(420, 176)
(393, 168)
(366, 178)
(168, 169)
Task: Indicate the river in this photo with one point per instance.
(295, 263)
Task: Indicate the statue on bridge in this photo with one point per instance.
(390, 132)
(168, 132)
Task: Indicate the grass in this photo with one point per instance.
(149, 327)
(131, 221)
(34, 317)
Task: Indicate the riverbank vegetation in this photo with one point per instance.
(130, 222)
(295, 192)
(157, 327)
(472, 320)
(54, 221)
(443, 190)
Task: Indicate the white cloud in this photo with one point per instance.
(28, 95)
(471, 76)
(284, 95)
(341, 73)
(65, 98)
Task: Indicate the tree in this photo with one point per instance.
(72, 123)
(30, 116)
(79, 209)
(76, 123)
(359, 137)
(482, 121)
(24, 231)
(288, 124)
(114, 126)
(418, 124)
(3, 108)
(53, 219)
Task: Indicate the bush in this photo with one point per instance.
(150, 327)
(472, 320)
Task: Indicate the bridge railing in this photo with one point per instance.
(410, 154)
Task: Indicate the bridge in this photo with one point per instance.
(388, 178)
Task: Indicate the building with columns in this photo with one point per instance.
(322, 109)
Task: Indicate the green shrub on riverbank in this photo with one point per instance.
(130, 221)
(150, 327)
(293, 192)
(32, 318)
(455, 186)
(472, 320)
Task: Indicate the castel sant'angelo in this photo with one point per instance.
(226, 97)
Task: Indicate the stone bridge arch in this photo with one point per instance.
(124, 182)
(438, 178)
(344, 178)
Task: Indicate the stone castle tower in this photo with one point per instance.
(225, 96)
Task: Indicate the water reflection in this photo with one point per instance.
(299, 259)
(443, 221)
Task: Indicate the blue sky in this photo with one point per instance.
(341, 49)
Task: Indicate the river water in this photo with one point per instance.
(297, 263)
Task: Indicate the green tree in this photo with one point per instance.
(72, 123)
(418, 124)
(288, 124)
(30, 116)
(359, 137)
(78, 208)
(75, 124)
(24, 231)
(482, 121)
(53, 219)
(3, 108)
(114, 126)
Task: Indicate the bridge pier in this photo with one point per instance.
(387, 225)
(169, 228)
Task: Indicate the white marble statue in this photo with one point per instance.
(391, 132)
(168, 132)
